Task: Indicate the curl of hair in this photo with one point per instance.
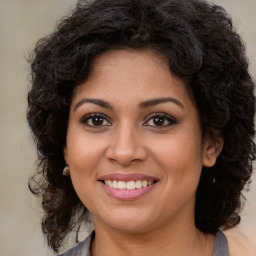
(201, 46)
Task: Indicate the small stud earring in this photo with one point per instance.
(66, 170)
(213, 181)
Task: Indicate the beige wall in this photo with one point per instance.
(22, 22)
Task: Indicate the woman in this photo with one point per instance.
(142, 112)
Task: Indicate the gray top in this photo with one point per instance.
(221, 245)
(83, 248)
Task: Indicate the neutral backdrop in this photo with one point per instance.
(22, 22)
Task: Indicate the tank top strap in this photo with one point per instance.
(221, 245)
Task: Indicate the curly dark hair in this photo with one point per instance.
(201, 46)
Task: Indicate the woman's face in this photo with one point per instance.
(134, 143)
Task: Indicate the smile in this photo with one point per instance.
(129, 185)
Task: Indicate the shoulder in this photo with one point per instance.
(82, 249)
(239, 243)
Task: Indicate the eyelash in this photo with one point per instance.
(95, 115)
(166, 118)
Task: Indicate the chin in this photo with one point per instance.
(127, 220)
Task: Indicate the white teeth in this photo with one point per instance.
(121, 184)
(138, 184)
(129, 185)
(115, 184)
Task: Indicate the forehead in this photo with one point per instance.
(130, 72)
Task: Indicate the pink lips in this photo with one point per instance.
(124, 194)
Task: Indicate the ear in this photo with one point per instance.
(211, 150)
(65, 153)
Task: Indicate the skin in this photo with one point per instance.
(129, 140)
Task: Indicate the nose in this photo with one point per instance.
(126, 147)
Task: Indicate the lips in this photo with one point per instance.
(127, 186)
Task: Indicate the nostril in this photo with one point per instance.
(125, 152)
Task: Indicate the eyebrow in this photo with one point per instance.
(153, 102)
(98, 102)
(142, 105)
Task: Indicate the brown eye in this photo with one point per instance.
(95, 120)
(160, 121)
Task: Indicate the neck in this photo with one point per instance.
(175, 240)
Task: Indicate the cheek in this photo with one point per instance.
(84, 154)
(178, 149)
(180, 157)
(84, 159)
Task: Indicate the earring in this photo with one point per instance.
(213, 181)
(66, 170)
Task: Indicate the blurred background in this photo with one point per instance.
(22, 23)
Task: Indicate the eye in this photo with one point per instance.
(160, 120)
(95, 120)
